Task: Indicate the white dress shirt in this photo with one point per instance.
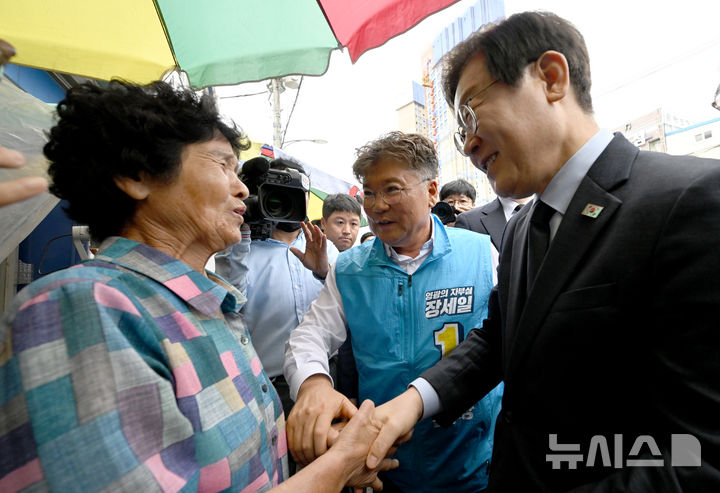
(324, 327)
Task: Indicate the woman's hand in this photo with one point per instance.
(353, 443)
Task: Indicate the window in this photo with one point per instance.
(708, 134)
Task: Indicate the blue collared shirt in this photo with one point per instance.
(561, 189)
(279, 292)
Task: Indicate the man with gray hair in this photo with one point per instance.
(407, 301)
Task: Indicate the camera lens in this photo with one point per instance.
(277, 205)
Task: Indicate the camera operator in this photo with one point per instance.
(272, 274)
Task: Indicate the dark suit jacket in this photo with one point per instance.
(620, 334)
(488, 219)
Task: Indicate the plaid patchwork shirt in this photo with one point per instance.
(134, 372)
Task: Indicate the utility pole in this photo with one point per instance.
(275, 88)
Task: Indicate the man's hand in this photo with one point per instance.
(22, 188)
(460, 207)
(308, 426)
(397, 419)
(344, 463)
(315, 257)
(354, 442)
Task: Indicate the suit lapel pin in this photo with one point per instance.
(592, 210)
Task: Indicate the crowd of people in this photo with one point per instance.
(497, 347)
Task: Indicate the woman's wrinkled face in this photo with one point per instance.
(202, 207)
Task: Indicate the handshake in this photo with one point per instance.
(323, 420)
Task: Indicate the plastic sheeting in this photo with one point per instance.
(24, 120)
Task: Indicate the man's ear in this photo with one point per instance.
(433, 192)
(136, 188)
(322, 222)
(555, 73)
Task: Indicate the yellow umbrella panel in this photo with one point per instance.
(98, 39)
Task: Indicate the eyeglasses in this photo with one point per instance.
(452, 202)
(467, 119)
(391, 195)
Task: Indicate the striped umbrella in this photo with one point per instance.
(215, 42)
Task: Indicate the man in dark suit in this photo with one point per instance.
(608, 349)
(490, 219)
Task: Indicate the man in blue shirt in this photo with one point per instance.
(278, 286)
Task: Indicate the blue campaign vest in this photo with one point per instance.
(402, 325)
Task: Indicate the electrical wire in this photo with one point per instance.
(659, 68)
(287, 124)
(243, 95)
(44, 253)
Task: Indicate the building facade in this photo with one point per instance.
(440, 121)
(412, 117)
(663, 131)
(701, 139)
(649, 132)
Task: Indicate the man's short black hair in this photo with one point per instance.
(340, 202)
(458, 187)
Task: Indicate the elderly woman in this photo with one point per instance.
(134, 371)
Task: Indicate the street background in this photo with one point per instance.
(644, 55)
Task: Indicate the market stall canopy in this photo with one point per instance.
(216, 42)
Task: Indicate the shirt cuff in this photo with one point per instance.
(430, 398)
(297, 378)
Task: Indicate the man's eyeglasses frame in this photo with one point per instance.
(391, 197)
(463, 113)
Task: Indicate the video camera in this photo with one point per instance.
(276, 196)
(445, 212)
